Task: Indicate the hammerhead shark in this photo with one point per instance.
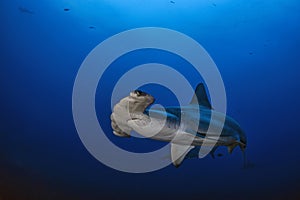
(185, 127)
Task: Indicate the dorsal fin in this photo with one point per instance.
(200, 96)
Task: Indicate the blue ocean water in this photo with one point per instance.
(255, 45)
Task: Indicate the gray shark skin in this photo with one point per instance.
(181, 126)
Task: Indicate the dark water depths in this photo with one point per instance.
(255, 45)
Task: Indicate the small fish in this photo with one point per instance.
(214, 4)
(67, 9)
(25, 10)
(250, 53)
(92, 27)
(173, 2)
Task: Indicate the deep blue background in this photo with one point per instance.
(255, 45)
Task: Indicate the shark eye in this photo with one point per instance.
(140, 93)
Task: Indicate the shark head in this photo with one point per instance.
(138, 101)
(129, 108)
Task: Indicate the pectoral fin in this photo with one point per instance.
(178, 153)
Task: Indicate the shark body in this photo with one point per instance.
(185, 127)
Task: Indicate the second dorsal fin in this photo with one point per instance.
(200, 96)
